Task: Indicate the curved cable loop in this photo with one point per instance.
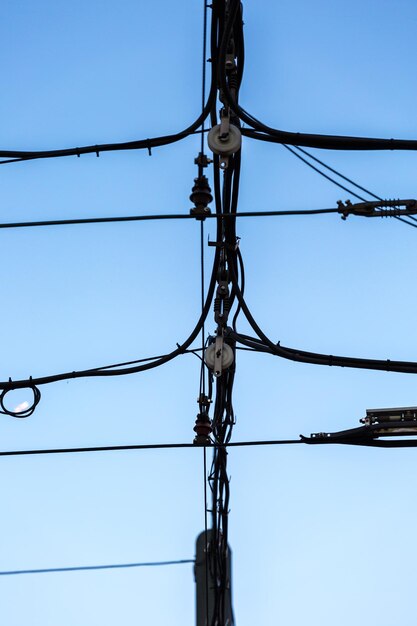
(25, 412)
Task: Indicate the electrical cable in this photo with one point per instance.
(32, 381)
(332, 180)
(203, 80)
(323, 174)
(327, 142)
(301, 356)
(331, 169)
(148, 446)
(13, 156)
(53, 570)
(176, 216)
(264, 344)
(230, 444)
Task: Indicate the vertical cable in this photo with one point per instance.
(203, 328)
(203, 100)
(203, 87)
(206, 533)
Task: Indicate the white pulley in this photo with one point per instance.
(224, 146)
(216, 361)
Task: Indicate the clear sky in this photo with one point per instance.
(320, 535)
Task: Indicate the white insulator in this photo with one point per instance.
(226, 146)
(227, 356)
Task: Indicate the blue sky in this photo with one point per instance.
(318, 534)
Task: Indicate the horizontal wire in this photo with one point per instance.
(52, 570)
(147, 446)
(175, 216)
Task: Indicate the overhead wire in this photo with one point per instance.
(213, 445)
(82, 568)
(147, 446)
(335, 182)
(329, 142)
(13, 156)
(264, 344)
(168, 216)
(32, 382)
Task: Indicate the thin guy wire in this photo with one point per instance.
(405, 221)
(331, 169)
(52, 570)
(316, 169)
(349, 180)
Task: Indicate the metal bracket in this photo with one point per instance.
(218, 354)
(224, 125)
